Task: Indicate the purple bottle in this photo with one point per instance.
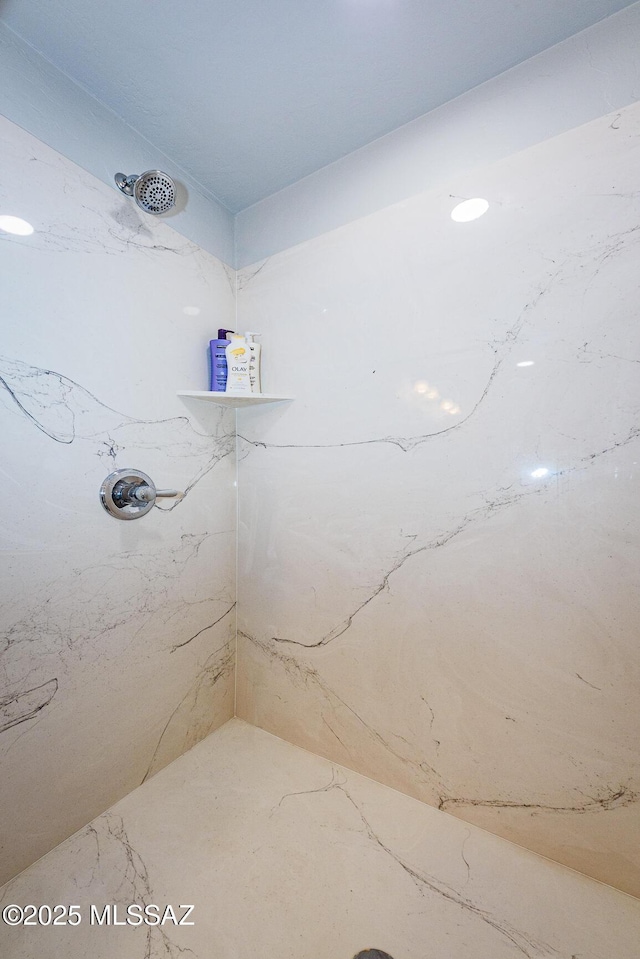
(218, 362)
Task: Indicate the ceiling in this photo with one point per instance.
(248, 96)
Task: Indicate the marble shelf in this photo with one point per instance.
(238, 401)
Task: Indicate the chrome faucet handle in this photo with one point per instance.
(147, 494)
(130, 493)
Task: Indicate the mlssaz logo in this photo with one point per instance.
(138, 914)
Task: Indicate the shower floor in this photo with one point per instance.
(285, 855)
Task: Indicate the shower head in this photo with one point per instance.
(153, 191)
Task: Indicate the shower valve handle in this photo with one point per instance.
(147, 494)
(130, 493)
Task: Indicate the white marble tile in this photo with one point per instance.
(284, 854)
(417, 600)
(116, 652)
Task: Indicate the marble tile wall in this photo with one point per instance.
(283, 854)
(439, 548)
(117, 638)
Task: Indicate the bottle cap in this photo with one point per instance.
(222, 334)
(250, 335)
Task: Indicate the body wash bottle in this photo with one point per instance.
(238, 365)
(255, 350)
(218, 362)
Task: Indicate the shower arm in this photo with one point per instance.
(126, 183)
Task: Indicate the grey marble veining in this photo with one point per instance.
(117, 639)
(439, 548)
(281, 852)
(438, 565)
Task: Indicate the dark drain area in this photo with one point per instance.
(372, 954)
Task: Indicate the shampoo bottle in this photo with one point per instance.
(255, 350)
(238, 365)
(218, 361)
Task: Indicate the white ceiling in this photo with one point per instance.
(249, 96)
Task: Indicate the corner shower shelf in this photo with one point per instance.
(239, 401)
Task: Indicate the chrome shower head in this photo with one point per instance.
(153, 191)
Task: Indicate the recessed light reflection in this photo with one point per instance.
(191, 310)
(526, 363)
(422, 388)
(469, 210)
(540, 472)
(13, 224)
